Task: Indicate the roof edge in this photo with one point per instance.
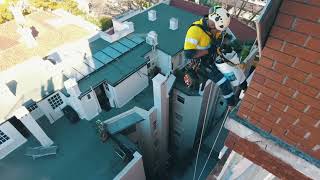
(233, 115)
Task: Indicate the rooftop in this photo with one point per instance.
(180, 85)
(169, 41)
(27, 84)
(123, 64)
(50, 31)
(143, 100)
(80, 155)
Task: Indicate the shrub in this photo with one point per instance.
(105, 23)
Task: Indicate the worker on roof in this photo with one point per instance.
(202, 43)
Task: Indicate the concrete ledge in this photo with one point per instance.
(272, 147)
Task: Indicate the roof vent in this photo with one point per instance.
(152, 15)
(152, 38)
(173, 24)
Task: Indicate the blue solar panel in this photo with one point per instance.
(135, 39)
(119, 47)
(96, 64)
(102, 57)
(127, 42)
(111, 52)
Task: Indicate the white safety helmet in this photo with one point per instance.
(220, 17)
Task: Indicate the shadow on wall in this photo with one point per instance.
(47, 89)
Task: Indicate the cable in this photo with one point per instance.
(205, 164)
(202, 131)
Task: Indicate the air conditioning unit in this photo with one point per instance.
(152, 38)
(152, 15)
(173, 24)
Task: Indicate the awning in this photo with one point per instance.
(123, 123)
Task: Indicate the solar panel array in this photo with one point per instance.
(115, 50)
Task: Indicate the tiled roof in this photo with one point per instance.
(13, 49)
(284, 96)
(241, 31)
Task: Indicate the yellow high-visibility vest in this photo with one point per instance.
(197, 39)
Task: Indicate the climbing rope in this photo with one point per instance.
(202, 132)
(224, 120)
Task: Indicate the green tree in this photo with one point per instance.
(68, 5)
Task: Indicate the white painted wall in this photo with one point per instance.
(190, 112)
(90, 106)
(161, 103)
(163, 61)
(178, 61)
(134, 170)
(52, 114)
(130, 87)
(146, 138)
(16, 139)
(144, 132)
(37, 113)
(27, 120)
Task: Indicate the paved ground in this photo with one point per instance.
(81, 156)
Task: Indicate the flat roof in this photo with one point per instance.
(117, 69)
(80, 155)
(50, 31)
(169, 41)
(28, 84)
(180, 85)
(143, 100)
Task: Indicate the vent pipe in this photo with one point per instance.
(152, 15)
(173, 24)
(152, 38)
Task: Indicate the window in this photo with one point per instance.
(148, 65)
(89, 96)
(107, 87)
(3, 137)
(32, 107)
(180, 99)
(178, 117)
(55, 101)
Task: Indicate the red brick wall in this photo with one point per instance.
(255, 154)
(284, 95)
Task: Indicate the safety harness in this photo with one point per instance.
(198, 72)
